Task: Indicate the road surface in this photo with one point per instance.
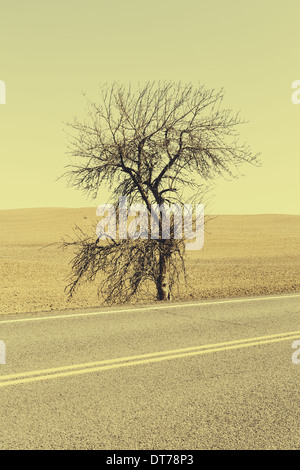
(206, 375)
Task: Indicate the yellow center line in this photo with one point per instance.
(91, 367)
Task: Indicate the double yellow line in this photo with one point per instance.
(109, 364)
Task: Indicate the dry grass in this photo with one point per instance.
(242, 255)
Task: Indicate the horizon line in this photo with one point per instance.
(94, 207)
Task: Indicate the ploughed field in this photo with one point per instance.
(242, 255)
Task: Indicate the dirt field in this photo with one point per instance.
(242, 255)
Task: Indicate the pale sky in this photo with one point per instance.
(51, 52)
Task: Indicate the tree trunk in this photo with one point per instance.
(162, 284)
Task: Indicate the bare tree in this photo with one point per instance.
(156, 145)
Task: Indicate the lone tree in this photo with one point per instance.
(150, 145)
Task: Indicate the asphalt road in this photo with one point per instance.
(211, 375)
